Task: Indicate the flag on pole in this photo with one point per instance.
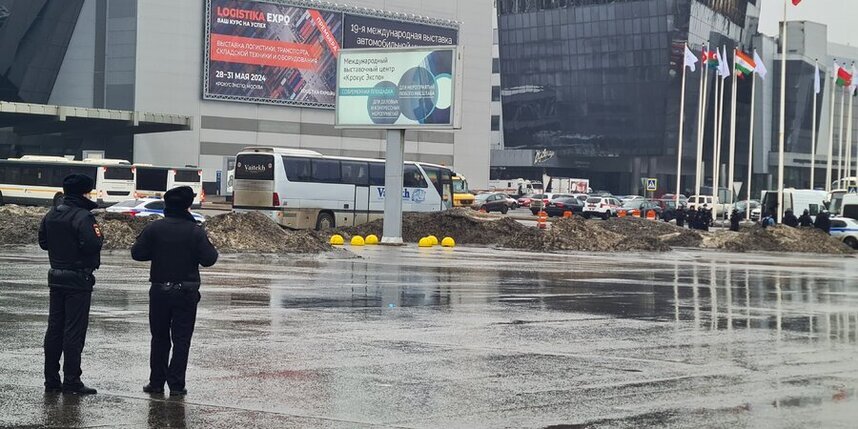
(844, 78)
(796, 2)
(760, 68)
(817, 85)
(744, 64)
(854, 85)
(710, 59)
(690, 59)
(724, 66)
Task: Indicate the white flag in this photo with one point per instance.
(834, 71)
(817, 85)
(761, 69)
(854, 85)
(724, 66)
(690, 59)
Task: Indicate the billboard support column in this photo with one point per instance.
(393, 165)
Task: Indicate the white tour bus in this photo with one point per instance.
(38, 180)
(303, 189)
(152, 181)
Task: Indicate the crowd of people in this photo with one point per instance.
(823, 220)
(696, 219)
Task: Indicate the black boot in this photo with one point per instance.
(51, 387)
(78, 389)
(178, 392)
(149, 388)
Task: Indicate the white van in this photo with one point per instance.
(797, 200)
(849, 207)
(698, 202)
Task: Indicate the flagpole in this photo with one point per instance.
(782, 126)
(813, 129)
(840, 137)
(701, 122)
(732, 168)
(681, 129)
(848, 168)
(716, 106)
(828, 165)
(716, 177)
(751, 146)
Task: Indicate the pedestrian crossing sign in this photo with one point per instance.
(651, 184)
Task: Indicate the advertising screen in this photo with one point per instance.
(368, 32)
(397, 88)
(273, 53)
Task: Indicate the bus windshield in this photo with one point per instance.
(460, 185)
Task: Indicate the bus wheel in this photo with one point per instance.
(325, 221)
(58, 199)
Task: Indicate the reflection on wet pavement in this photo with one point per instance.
(461, 338)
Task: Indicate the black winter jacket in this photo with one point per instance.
(177, 246)
(73, 240)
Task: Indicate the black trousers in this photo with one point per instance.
(172, 315)
(68, 319)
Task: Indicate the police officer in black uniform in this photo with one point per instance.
(177, 246)
(805, 220)
(73, 240)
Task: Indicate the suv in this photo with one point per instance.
(603, 207)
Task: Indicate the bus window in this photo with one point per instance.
(187, 176)
(355, 172)
(254, 167)
(297, 169)
(152, 179)
(118, 173)
(376, 174)
(434, 174)
(412, 178)
(326, 171)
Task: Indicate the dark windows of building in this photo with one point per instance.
(495, 65)
(496, 93)
(495, 122)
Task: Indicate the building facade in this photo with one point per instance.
(591, 88)
(149, 56)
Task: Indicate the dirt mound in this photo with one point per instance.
(578, 234)
(256, 233)
(777, 239)
(464, 225)
(19, 225)
(647, 230)
(121, 230)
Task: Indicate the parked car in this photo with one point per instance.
(145, 207)
(511, 202)
(631, 198)
(525, 201)
(668, 207)
(540, 201)
(643, 206)
(846, 230)
(742, 207)
(558, 206)
(491, 202)
(603, 207)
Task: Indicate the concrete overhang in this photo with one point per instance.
(42, 119)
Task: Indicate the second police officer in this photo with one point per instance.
(177, 246)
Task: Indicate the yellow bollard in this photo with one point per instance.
(424, 242)
(337, 240)
(433, 239)
(448, 242)
(371, 239)
(358, 241)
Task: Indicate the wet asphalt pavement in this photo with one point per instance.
(460, 338)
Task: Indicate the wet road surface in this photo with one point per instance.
(460, 338)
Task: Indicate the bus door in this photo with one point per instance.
(357, 173)
(446, 189)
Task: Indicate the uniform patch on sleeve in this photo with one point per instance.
(97, 230)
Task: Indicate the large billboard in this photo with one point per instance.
(280, 52)
(398, 88)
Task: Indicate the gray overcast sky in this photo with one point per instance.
(839, 15)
